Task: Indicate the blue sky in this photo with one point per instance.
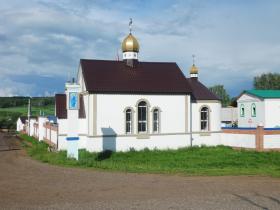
(42, 41)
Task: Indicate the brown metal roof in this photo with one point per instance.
(60, 106)
(23, 119)
(199, 91)
(61, 109)
(82, 113)
(103, 76)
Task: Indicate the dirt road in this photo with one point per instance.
(28, 184)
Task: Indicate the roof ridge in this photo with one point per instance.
(264, 93)
(147, 77)
(263, 90)
(170, 62)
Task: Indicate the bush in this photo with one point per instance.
(8, 119)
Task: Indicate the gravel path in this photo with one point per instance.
(28, 184)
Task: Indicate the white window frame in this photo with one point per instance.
(129, 110)
(142, 121)
(242, 110)
(253, 106)
(207, 120)
(157, 121)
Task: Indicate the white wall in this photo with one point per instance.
(125, 143)
(272, 112)
(62, 126)
(238, 140)
(209, 139)
(62, 143)
(82, 143)
(110, 112)
(47, 133)
(53, 137)
(271, 141)
(215, 115)
(19, 125)
(32, 121)
(35, 130)
(248, 100)
(41, 128)
(229, 114)
(110, 117)
(128, 142)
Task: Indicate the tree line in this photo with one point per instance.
(8, 119)
(17, 101)
(269, 81)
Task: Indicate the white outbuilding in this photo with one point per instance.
(21, 123)
(259, 107)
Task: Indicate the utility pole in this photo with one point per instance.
(29, 114)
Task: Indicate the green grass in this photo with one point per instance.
(213, 161)
(9, 116)
(48, 110)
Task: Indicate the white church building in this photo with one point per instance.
(132, 104)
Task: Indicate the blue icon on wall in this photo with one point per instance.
(73, 100)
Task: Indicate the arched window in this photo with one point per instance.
(142, 117)
(156, 121)
(128, 121)
(204, 119)
(253, 110)
(242, 110)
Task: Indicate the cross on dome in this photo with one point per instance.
(130, 25)
(130, 47)
(193, 69)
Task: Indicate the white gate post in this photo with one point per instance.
(72, 94)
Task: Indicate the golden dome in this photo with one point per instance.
(193, 69)
(130, 44)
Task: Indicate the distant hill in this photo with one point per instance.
(13, 107)
(8, 102)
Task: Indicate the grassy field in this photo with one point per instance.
(211, 161)
(13, 107)
(9, 116)
(48, 110)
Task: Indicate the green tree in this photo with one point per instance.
(221, 92)
(9, 119)
(269, 81)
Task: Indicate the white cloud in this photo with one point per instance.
(12, 88)
(232, 44)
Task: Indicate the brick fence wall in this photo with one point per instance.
(50, 133)
(261, 135)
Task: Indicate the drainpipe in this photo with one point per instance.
(57, 136)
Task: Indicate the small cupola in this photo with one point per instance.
(193, 70)
(130, 48)
(130, 44)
